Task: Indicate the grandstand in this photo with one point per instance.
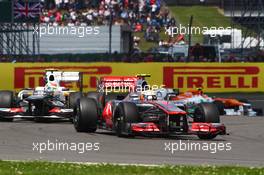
(128, 29)
(218, 3)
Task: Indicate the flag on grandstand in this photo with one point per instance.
(26, 9)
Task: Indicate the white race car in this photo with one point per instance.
(47, 102)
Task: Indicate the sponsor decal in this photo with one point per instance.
(30, 77)
(211, 77)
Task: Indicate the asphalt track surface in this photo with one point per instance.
(246, 137)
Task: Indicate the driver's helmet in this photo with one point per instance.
(52, 84)
(134, 96)
(200, 91)
(149, 95)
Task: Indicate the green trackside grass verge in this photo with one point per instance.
(47, 168)
(203, 17)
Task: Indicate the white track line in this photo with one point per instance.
(91, 163)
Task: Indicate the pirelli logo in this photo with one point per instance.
(30, 77)
(211, 77)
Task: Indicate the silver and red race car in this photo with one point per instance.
(52, 101)
(140, 113)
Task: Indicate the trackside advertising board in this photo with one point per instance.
(213, 77)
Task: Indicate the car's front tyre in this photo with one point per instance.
(125, 114)
(6, 101)
(206, 113)
(85, 115)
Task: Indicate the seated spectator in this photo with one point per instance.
(197, 52)
(138, 27)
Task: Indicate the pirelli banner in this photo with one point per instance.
(213, 77)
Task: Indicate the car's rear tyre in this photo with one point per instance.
(206, 113)
(243, 100)
(86, 115)
(6, 119)
(125, 114)
(6, 101)
(259, 111)
(73, 98)
(220, 106)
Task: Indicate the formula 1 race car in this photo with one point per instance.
(225, 106)
(140, 113)
(49, 102)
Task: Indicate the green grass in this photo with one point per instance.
(203, 17)
(143, 44)
(46, 168)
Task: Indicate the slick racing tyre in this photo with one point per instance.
(98, 97)
(220, 106)
(206, 136)
(73, 98)
(6, 101)
(243, 100)
(125, 114)
(206, 113)
(86, 115)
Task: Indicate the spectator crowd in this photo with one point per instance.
(147, 16)
(135, 13)
(133, 58)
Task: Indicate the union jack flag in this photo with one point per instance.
(27, 9)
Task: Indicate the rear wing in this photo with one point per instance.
(115, 82)
(143, 76)
(129, 83)
(61, 76)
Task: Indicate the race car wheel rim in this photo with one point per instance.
(198, 114)
(119, 125)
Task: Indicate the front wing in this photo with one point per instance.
(195, 128)
(20, 112)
